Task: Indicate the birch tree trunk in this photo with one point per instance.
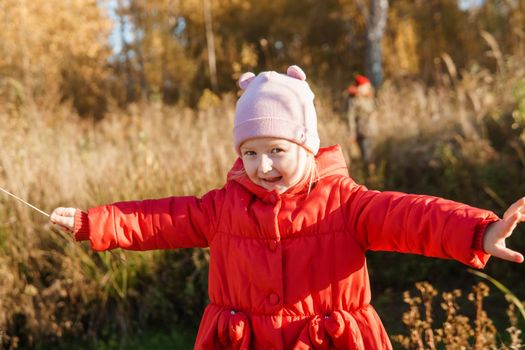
(376, 24)
(210, 44)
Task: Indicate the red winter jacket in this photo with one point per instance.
(288, 271)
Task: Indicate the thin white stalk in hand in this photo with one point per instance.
(23, 201)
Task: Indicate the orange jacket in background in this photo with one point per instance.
(288, 271)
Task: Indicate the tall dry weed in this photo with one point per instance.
(458, 331)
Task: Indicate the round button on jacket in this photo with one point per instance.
(273, 244)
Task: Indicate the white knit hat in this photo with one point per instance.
(276, 105)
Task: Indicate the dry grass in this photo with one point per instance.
(52, 287)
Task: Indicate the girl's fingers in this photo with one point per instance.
(56, 215)
(63, 220)
(57, 212)
(507, 254)
(65, 211)
(518, 206)
(64, 227)
(62, 212)
(511, 222)
(63, 217)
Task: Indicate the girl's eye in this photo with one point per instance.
(277, 150)
(249, 153)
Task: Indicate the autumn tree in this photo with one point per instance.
(173, 50)
(54, 51)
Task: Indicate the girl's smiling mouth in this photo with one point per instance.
(272, 179)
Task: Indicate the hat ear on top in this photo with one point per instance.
(296, 72)
(246, 79)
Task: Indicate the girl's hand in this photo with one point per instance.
(497, 232)
(64, 218)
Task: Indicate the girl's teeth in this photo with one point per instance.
(273, 179)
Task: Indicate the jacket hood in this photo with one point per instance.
(330, 161)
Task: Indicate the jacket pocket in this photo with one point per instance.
(229, 330)
(234, 330)
(338, 330)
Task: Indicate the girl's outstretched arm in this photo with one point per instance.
(497, 232)
(166, 223)
(417, 224)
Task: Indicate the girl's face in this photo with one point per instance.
(275, 164)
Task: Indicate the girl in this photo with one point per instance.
(289, 230)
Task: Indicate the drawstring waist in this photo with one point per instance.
(296, 316)
(338, 328)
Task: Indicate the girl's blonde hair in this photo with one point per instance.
(312, 172)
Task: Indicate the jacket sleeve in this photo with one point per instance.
(418, 224)
(174, 222)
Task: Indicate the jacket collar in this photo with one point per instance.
(330, 161)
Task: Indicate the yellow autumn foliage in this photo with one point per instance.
(55, 49)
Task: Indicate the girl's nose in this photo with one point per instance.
(265, 164)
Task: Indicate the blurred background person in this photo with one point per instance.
(362, 124)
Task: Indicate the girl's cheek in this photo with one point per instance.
(247, 163)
